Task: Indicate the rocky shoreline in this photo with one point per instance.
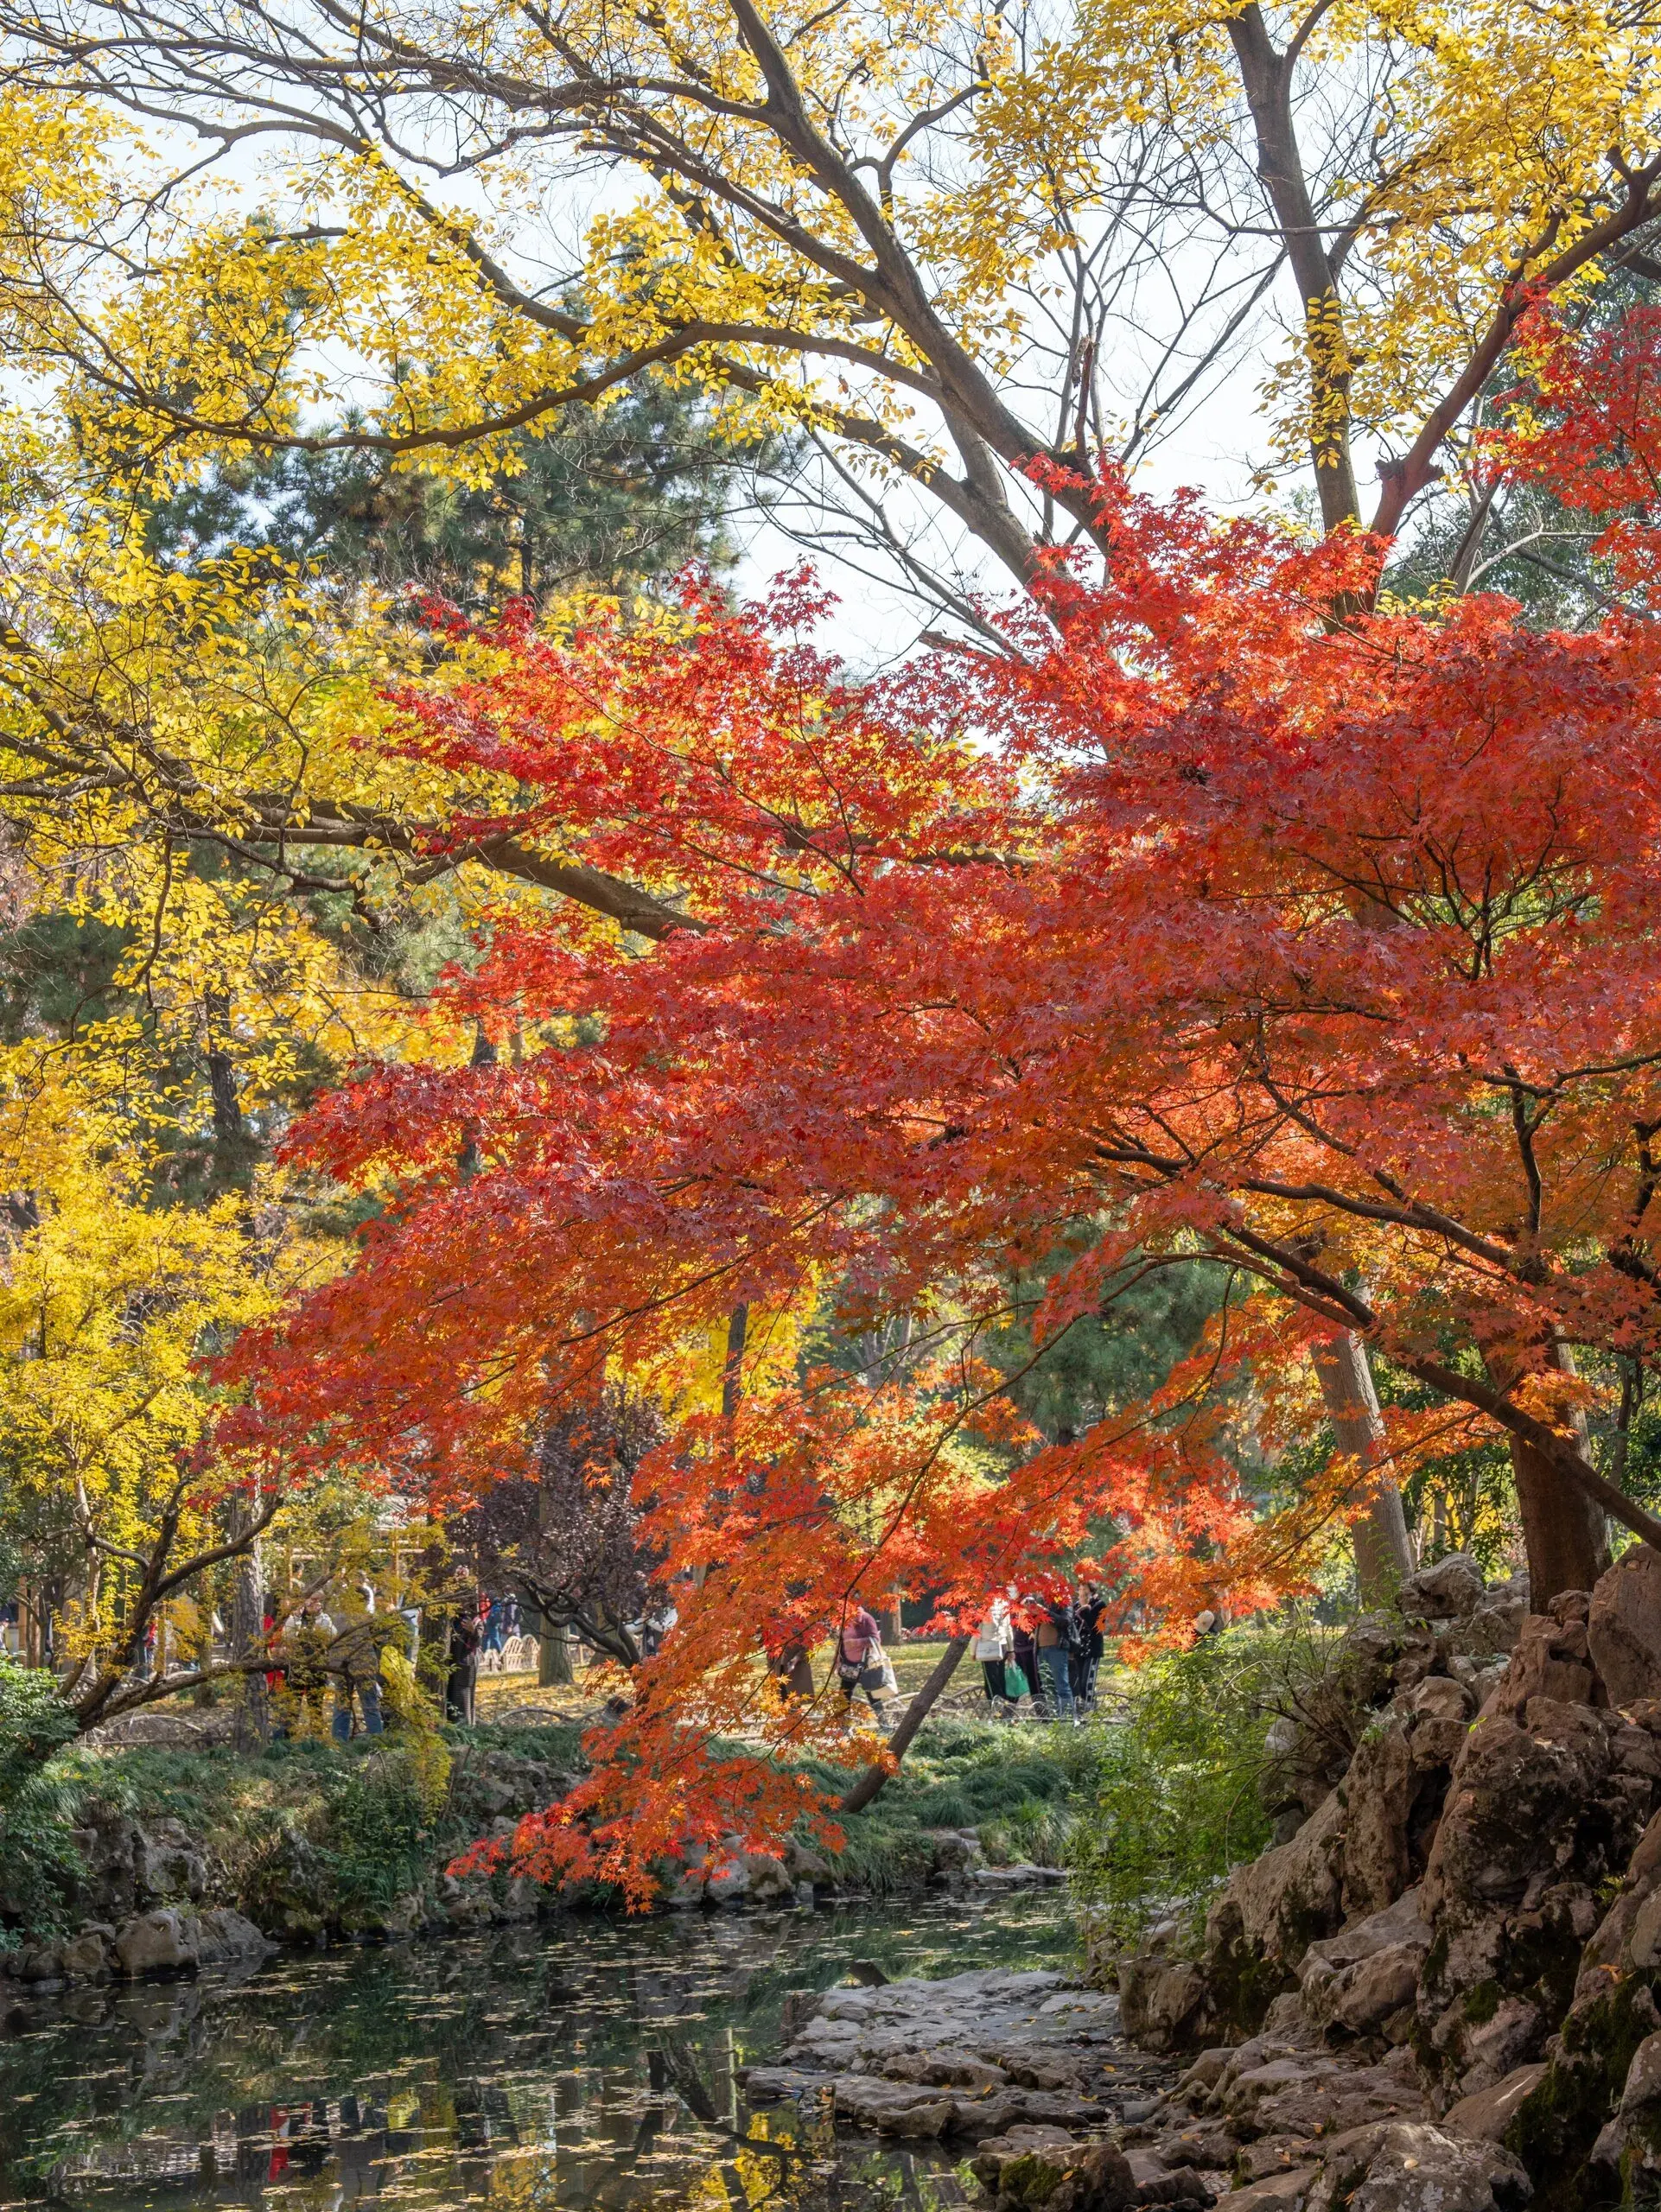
(1437, 1993)
(155, 1899)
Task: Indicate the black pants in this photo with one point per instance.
(997, 1692)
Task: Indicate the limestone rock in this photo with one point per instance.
(1436, 1713)
(1380, 1791)
(1409, 2167)
(1552, 1659)
(164, 1942)
(1357, 1978)
(1623, 1626)
(1453, 1587)
(86, 1956)
(1490, 2111)
(1095, 2179)
(1165, 2004)
(169, 1863)
(1276, 2192)
(227, 1934)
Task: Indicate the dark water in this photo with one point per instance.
(530, 2070)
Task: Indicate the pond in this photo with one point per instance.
(588, 2062)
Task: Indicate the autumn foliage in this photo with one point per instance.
(1320, 951)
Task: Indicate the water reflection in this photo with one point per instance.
(589, 2066)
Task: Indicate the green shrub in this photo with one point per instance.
(33, 1722)
(376, 1835)
(37, 1807)
(1176, 1801)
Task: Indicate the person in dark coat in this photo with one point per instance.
(1087, 1651)
(466, 1634)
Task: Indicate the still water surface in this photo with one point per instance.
(590, 2064)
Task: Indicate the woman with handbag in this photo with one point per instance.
(862, 1664)
(992, 1649)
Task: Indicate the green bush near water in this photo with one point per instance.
(1176, 1797)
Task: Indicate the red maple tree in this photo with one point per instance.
(1320, 950)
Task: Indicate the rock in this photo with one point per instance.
(167, 1864)
(86, 1956)
(1540, 1817)
(956, 1852)
(165, 1941)
(1301, 2095)
(1183, 2185)
(1357, 1978)
(942, 2069)
(1261, 1923)
(989, 2160)
(1097, 2178)
(1380, 1791)
(1452, 1588)
(1165, 2005)
(804, 1865)
(1408, 2166)
(869, 2102)
(1436, 1713)
(227, 1934)
(1276, 2192)
(769, 2084)
(1490, 2111)
(1623, 1626)
(927, 2120)
(1551, 1659)
(1274, 2154)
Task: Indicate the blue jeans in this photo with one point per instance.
(369, 1697)
(1054, 1660)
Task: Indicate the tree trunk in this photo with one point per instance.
(1266, 76)
(1564, 1531)
(247, 1629)
(1383, 1550)
(553, 1657)
(871, 1780)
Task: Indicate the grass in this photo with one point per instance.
(1021, 1789)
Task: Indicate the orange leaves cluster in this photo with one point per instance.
(1319, 951)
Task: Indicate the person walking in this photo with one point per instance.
(862, 1662)
(1055, 1636)
(992, 1647)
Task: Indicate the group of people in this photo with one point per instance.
(1050, 1649)
(335, 1658)
(334, 1655)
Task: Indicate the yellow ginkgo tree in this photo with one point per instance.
(109, 1305)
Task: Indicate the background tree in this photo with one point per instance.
(567, 1537)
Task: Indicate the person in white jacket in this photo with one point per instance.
(992, 1649)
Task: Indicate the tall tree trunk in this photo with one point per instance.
(1564, 1532)
(871, 1780)
(1266, 75)
(553, 1657)
(1383, 1550)
(247, 1629)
